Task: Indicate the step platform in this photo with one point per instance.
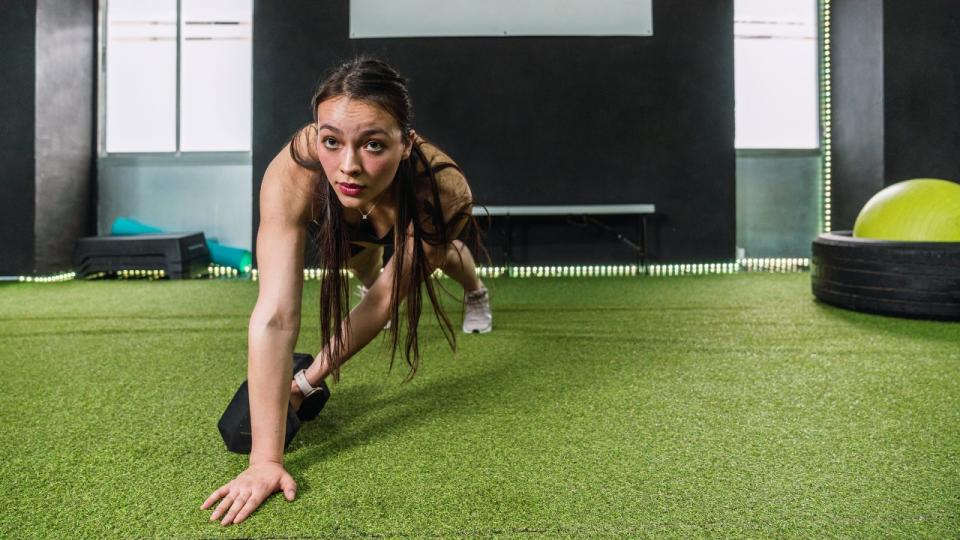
(180, 255)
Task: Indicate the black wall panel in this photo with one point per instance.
(545, 120)
(857, 96)
(922, 71)
(896, 97)
(17, 76)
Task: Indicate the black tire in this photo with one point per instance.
(903, 279)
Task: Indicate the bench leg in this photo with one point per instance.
(508, 245)
(643, 244)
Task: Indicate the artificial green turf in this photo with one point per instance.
(715, 406)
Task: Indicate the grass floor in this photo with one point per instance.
(713, 406)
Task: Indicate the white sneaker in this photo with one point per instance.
(361, 292)
(477, 318)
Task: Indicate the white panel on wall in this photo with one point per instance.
(215, 75)
(776, 73)
(457, 18)
(141, 77)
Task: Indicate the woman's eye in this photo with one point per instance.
(375, 146)
(329, 143)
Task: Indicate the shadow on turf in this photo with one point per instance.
(943, 331)
(326, 438)
(485, 391)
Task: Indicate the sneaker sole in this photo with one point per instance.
(483, 331)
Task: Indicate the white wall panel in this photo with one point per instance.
(450, 18)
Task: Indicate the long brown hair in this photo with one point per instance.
(417, 192)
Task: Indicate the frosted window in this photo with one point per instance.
(433, 18)
(776, 73)
(215, 75)
(141, 84)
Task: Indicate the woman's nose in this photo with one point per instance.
(350, 165)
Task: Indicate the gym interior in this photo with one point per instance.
(722, 245)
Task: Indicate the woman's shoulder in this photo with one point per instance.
(288, 187)
(455, 199)
(452, 183)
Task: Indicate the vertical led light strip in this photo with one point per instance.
(825, 119)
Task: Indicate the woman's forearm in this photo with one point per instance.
(270, 353)
(366, 321)
(368, 317)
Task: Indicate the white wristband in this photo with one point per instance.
(304, 385)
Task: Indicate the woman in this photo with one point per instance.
(360, 175)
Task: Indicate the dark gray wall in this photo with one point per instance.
(896, 97)
(47, 134)
(64, 129)
(858, 104)
(17, 26)
(540, 120)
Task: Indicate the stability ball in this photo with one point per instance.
(919, 210)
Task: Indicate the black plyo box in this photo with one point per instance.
(180, 255)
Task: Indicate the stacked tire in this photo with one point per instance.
(904, 279)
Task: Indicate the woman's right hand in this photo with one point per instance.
(242, 495)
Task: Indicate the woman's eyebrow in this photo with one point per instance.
(372, 130)
(364, 133)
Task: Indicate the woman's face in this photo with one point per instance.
(360, 147)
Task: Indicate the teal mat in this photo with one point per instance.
(233, 257)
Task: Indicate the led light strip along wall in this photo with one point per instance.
(625, 270)
(55, 278)
(797, 264)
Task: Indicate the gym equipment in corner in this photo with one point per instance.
(238, 258)
(180, 255)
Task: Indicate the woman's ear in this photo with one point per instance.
(408, 143)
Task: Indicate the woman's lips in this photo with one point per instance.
(350, 190)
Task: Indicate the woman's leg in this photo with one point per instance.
(461, 267)
(477, 317)
(366, 265)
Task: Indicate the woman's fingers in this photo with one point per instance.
(246, 492)
(289, 486)
(238, 503)
(215, 496)
(222, 507)
(252, 503)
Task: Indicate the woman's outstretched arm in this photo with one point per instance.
(272, 335)
(275, 321)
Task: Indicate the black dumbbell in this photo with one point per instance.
(234, 425)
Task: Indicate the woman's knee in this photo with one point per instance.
(366, 265)
(457, 252)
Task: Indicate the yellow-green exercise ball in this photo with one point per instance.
(919, 210)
